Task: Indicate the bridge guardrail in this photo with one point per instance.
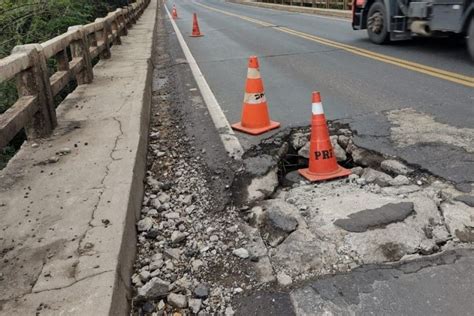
(325, 4)
(73, 52)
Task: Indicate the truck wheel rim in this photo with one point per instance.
(375, 22)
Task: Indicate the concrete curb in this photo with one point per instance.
(69, 203)
(345, 14)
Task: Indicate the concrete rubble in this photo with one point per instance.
(287, 230)
(385, 211)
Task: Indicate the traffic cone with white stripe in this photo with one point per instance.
(196, 31)
(174, 13)
(255, 118)
(322, 160)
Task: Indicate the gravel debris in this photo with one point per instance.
(188, 226)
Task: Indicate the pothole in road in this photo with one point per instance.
(385, 211)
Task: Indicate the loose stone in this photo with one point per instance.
(177, 300)
(241, 253)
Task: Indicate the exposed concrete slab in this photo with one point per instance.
(257, 180)
(460, 220)
(68, 228)
(320, 247)
(259, 255)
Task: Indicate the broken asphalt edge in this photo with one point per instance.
(92, 194)
(344, 14)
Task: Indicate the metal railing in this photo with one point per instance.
(325, 4)
(73, 53)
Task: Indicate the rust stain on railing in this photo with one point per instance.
(73, 51)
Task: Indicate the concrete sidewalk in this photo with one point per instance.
(69, 203)
(346, 14)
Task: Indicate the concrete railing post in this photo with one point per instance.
(133, 15)
(62, 60)
(35, 82)
(122, 22)
(127, 17)
(116, 29)
(102, 37)
(80, 49)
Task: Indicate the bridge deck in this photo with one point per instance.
(68, 204)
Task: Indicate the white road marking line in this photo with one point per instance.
(227, 135)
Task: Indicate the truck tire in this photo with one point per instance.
(377, 23)
(470, 38)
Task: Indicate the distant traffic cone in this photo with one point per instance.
(322, 160)
(196, 31)
(174, 13)
(255, 118)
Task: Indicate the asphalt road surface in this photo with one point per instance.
(412, 99)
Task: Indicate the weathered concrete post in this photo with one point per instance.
(35, 82)
(62, 60)
(102, 36)
(127, 16)
(92, 40)
(116, 29)
(80, 49)
(133, 15)
(122, 22)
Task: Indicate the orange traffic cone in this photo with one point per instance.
(322, 161)
(174, 13)
(255, 118)
(196, 31)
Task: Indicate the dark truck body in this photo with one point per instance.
(406, 18)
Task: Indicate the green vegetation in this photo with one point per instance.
(35, 21)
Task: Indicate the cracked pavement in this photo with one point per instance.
(437, 285)
(372, 97)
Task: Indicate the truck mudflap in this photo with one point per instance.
(357, 14)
